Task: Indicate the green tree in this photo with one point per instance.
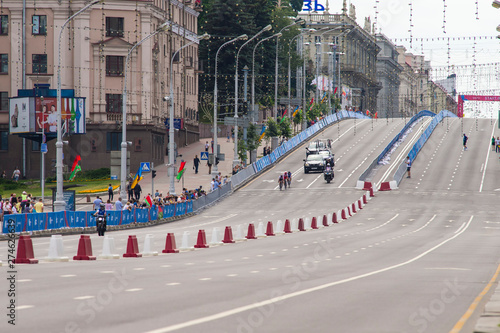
(252, 137)
(285, 128)
(272, 129)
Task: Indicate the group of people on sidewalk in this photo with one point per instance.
(25, 204)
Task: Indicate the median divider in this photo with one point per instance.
(170, 246)
(108, 249)
(56, 249)
(84, 249)
(25, 254)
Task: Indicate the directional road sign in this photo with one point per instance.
(204, 156)
(145, 167)
(241, 121)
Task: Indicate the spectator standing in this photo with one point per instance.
(130, 192)
(408, 166)
(16, 174)
(497, 144)
(109, 205)
(97, 202)
(4, 174)
(493, 143)
(196, 163)
(39, 206)
(206, 146)
(137, 192)
(209, 167)
(119, 204)
(465, 141)
(110, 192)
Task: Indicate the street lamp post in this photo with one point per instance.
(304, 113)
(289, 76)
(171, 160)
(123, 163)
(236, 160)
(59, 204)
(253, 71)
(275, 116)
(215, 170)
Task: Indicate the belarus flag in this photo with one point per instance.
(182, 167)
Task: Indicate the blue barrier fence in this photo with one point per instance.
(82, 219)
(284, 148)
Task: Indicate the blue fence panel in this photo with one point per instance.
(168, 211)
(29, 222)
(59, 220)
(91, 219)
(80, 219)
(153, 213)
(180, 208)
(141, 215)
(114, 217)
(190, 207)
(127, 217)
(70, 219)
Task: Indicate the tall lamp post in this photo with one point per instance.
(275, 116)
(123, 163)
(171, 160)
(253, 71)
(289, 76)
(304, 113)
(59, 204)
(236, 160)
(215, 170)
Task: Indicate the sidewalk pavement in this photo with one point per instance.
(190, 179)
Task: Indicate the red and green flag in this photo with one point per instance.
(182, 167)
(75, 168)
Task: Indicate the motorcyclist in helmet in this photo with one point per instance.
(101, 219)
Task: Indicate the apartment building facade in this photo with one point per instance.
(93, 51)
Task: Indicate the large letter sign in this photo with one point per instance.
(308, 6)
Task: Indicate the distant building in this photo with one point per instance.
(93, 51)
(388, 74)
(355, 50)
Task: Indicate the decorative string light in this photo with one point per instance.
(411, 24)
(444, 16)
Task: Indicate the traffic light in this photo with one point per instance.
(153, 173)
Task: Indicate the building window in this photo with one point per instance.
(35, 146)
(113, 103)
(39, 63)
(39, 24)
(4, 63)
(4, 24)
(4, 101)
(113, 141)
(114, 26)
(4, 140)
(114, 65)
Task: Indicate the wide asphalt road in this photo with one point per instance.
(412, 260)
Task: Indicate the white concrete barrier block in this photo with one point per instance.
(148, 246)
(56, 249)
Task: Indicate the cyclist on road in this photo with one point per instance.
(280, 181)
(285, 179)
(289, 179)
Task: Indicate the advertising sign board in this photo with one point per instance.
(73, 115)
(21, 119)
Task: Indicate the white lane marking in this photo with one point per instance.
(254, 272)
(67, 275)
(83, 297)
(165, 266)
(139, 269)
(107, 272)
(205, 279)
(450, 268)
(25, 280)
(173, 284)
(302, 292)
(353, 171)
(314, 181)
(232, 275)
(134, 289)
(404, 151)
(486, 161)
(463, 224)
(23, 307)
